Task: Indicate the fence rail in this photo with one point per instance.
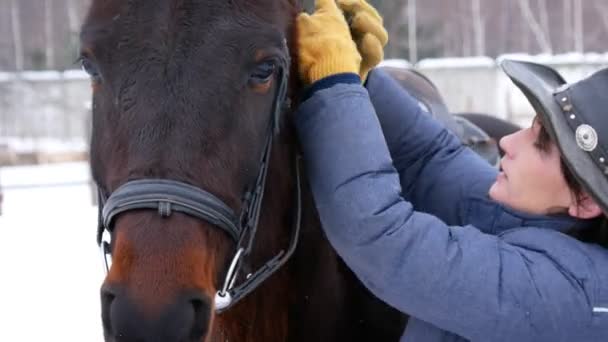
(45, 116)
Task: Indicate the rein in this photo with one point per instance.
(168, 196)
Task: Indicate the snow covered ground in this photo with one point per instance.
(50, 269)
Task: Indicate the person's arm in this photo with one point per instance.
(438, 174)
(478, 286)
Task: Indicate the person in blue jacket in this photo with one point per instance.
(469, 252)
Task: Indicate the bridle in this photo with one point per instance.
(167, 196)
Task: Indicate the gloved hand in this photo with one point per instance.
(368, 31)
(325, 45)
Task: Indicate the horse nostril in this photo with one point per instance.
(202, 313)
(185, 318)
(107, 298)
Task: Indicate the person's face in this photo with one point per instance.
(531, 179)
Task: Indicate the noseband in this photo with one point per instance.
(168, 196)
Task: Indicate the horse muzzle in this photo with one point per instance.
(185, 319)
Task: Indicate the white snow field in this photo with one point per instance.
(50, 268)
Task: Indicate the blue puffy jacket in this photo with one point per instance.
(414, 222)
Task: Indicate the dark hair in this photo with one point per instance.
(543, 143)
(598, 234)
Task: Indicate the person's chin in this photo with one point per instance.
(495, 191)
(498, 187)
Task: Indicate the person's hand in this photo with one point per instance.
(368, 31)
(325, 44)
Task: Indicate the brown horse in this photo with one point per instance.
(199, 189)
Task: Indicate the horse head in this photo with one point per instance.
(187, 96)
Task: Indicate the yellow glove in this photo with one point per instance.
(325, 45)
(368, 31)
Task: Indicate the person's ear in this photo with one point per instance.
(585, 208)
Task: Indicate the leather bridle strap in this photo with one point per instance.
(230, 295)
(168, 196)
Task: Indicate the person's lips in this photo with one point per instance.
(501, 176)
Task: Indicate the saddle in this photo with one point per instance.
(429, 99)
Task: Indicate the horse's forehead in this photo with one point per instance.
(269, 9)
(112, 18)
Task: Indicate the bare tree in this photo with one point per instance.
(478, 28)
(395, 18)
(48, 34)
(16, 30)
(411, 26)
(567, 24)
(578, 26)
(540, 36)
(73, 20)
(602, 10)
(464, 27)
(544, 17)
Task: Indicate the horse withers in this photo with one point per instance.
(202, 201)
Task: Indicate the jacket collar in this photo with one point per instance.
(560, 222)
(497, 218)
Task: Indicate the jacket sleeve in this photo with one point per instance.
(433, 166)
(476, 285)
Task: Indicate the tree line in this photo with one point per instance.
(462, 28)
(43, 34)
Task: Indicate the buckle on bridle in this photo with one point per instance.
(106, 254)
(223, 298)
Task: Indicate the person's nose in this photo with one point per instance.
(507, 144)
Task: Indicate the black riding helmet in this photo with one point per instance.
(576, 117)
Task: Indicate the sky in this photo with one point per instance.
(50, 266)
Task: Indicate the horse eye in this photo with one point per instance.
(263, 72)
(90, 68)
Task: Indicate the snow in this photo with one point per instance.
(396, 63)
(25, 145)
(75, 75)
(51, 268)
(6, 76)
(562, 59)
(47, 75)
(571, 58)
(41, 76)
(482, 62)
